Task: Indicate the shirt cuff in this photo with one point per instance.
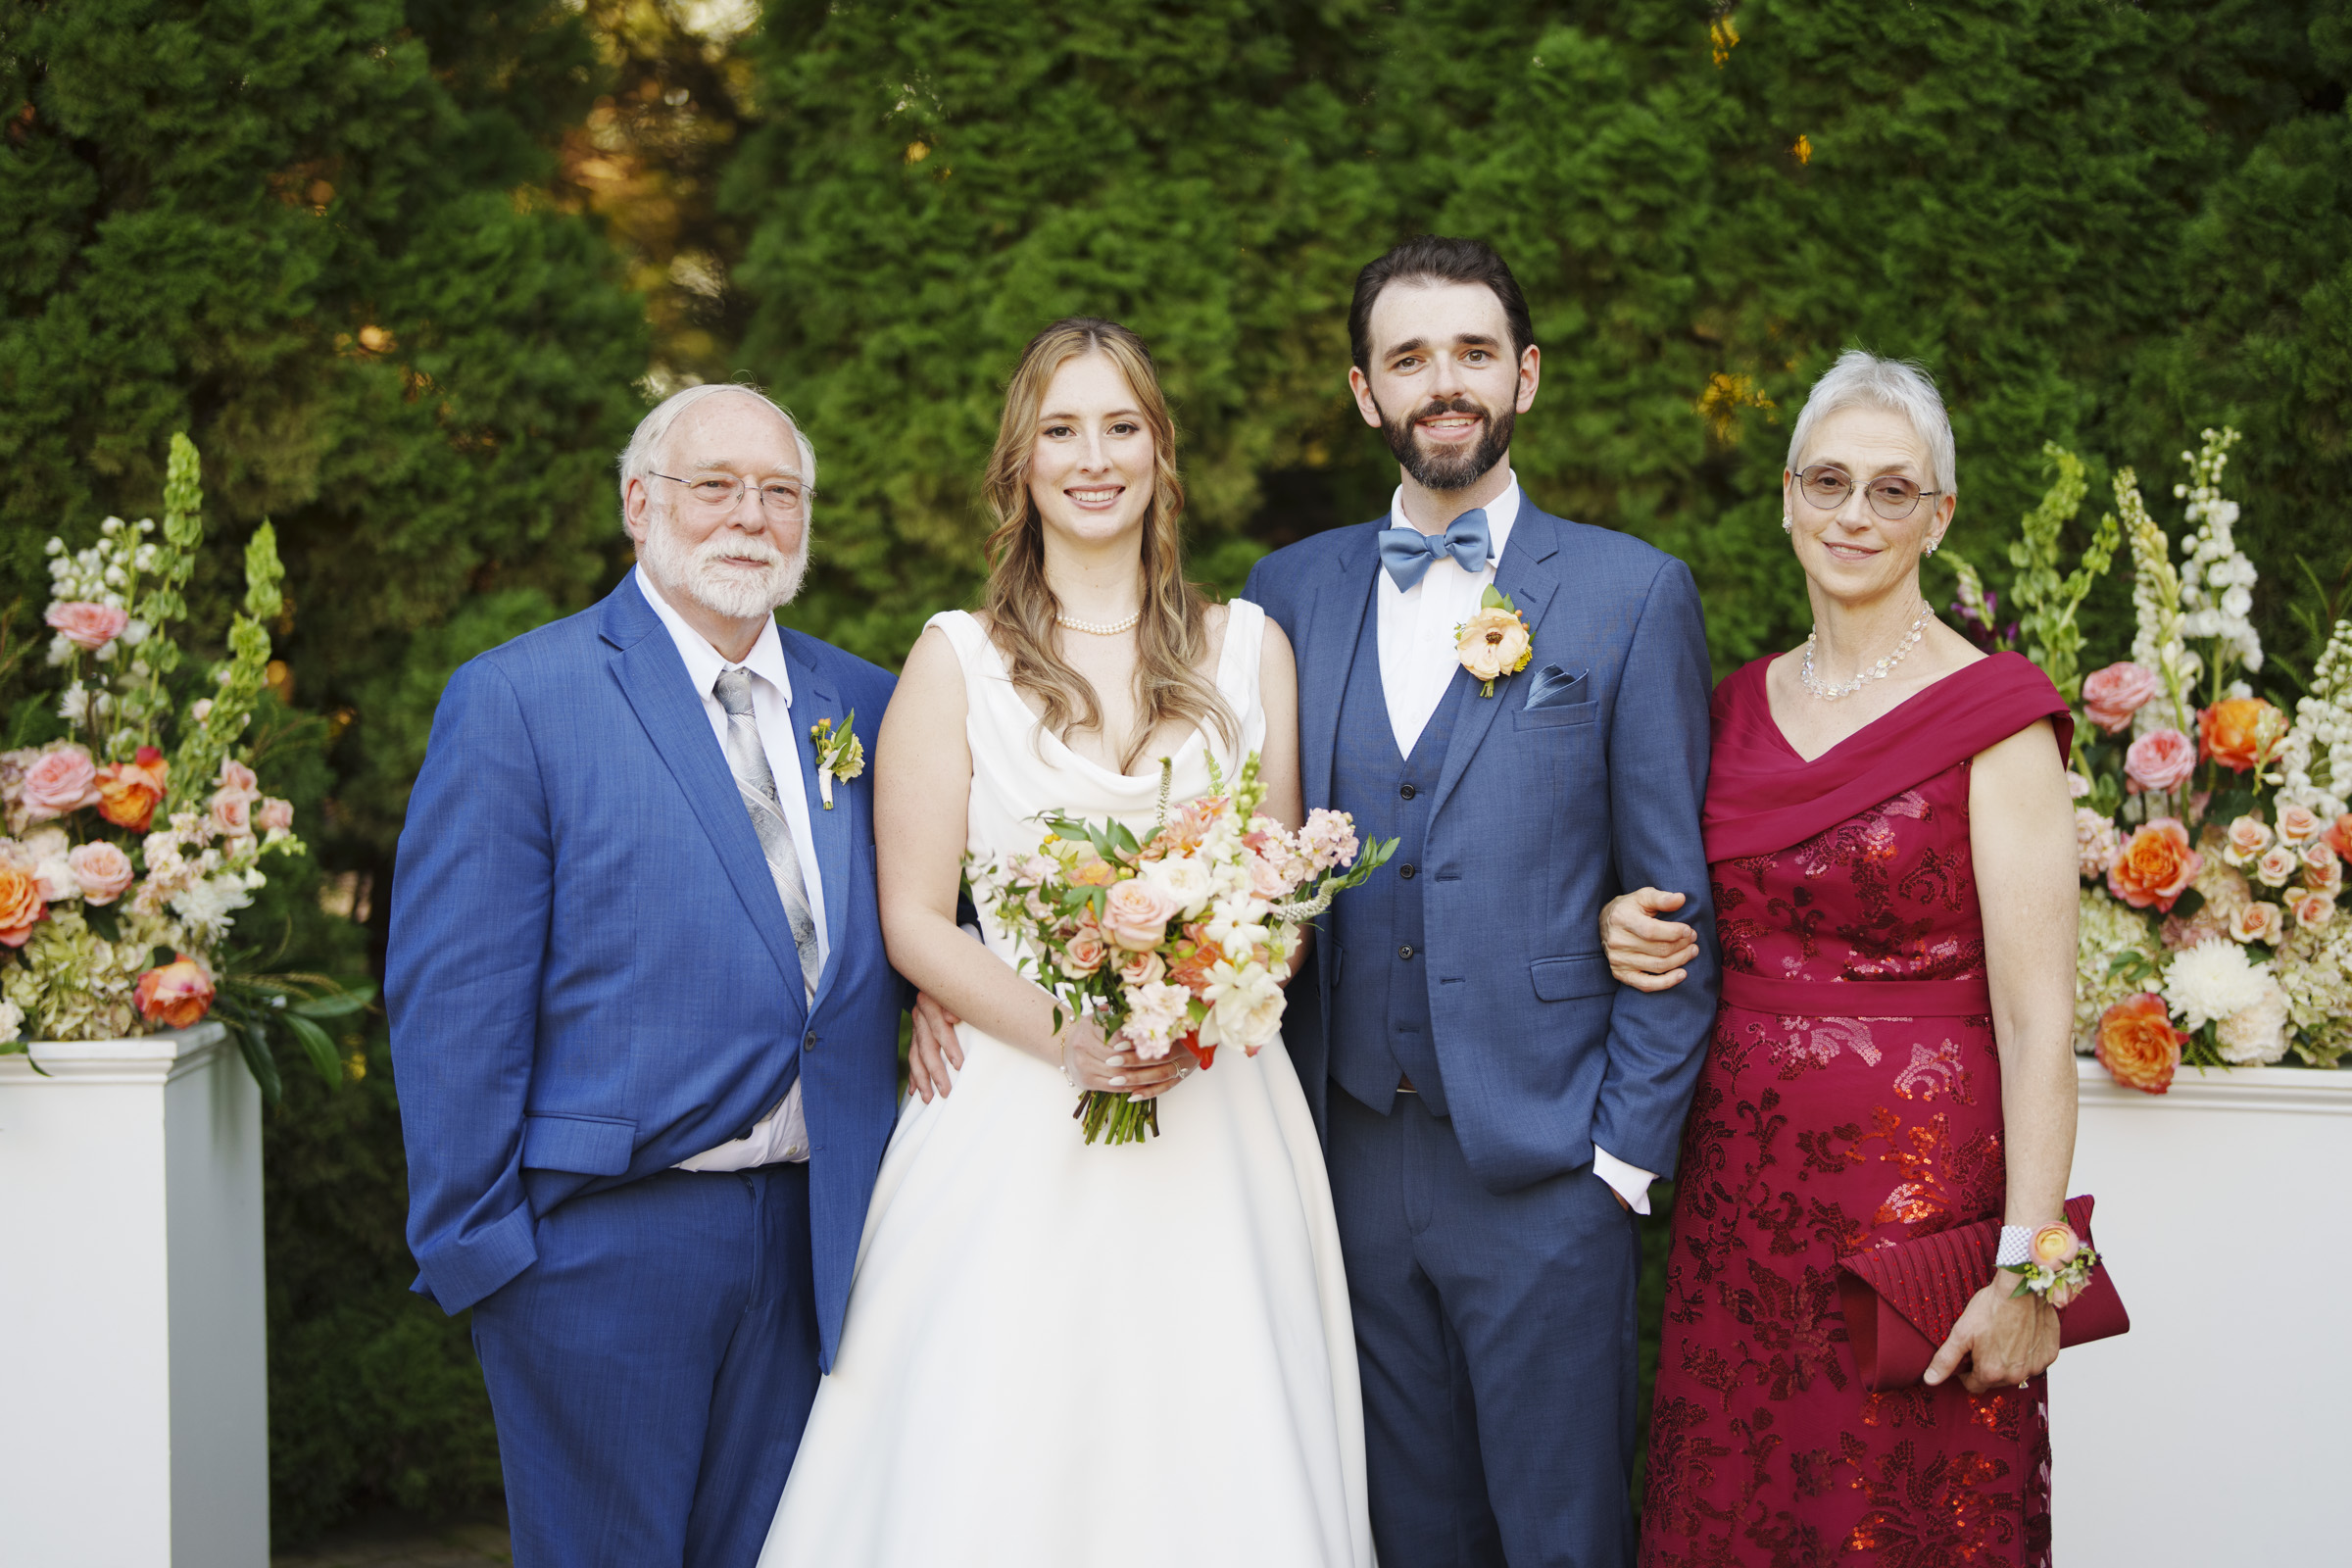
(1632, 1182)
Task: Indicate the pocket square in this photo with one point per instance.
(1554, 687)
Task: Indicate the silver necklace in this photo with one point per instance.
(1816, 687)
(1097, 628)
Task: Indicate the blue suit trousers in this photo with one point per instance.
(1496, 1334)
(661, 1348)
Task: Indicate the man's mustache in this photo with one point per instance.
(1460, 403)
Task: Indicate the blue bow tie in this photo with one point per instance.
(1407, 553)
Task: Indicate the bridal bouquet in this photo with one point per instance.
(123, 862)
(2211, 825)
(1180, 939)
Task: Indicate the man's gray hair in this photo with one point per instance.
(1902, 386)
(638, 457)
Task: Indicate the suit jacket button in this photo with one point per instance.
(1408, 792)
(1406, 952)
(809, 1041)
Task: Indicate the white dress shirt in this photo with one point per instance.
(783, 1132)
(1417, 663)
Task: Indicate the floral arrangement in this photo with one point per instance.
(2210, 825)
(2058, 1264)
(125, 863)
(1182, 938)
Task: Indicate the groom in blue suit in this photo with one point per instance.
(1493, 1105)
(643, 1025)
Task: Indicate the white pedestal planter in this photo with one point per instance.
(2215, 1431)
(132, 1400)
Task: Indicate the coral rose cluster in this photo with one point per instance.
(2138, 1044)
(2154, 865)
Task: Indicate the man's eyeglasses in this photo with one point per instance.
(780, 498)
(1890, 494)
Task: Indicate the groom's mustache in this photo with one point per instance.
(1459, 403)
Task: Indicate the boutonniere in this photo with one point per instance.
(1495, 642)
(838, 756)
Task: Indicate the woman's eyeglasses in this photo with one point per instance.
(1890, 494)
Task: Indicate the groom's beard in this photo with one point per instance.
(1458, 470)
(719, 586)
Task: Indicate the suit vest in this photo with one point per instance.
(1380, 1019)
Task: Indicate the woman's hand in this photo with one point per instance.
(2012, 1337)
(934, 1049)
(1112, 1065)
(1646, 954)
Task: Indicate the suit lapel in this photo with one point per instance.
(1326, 654)
(813, 698)
(654, 680)
(1527, 574)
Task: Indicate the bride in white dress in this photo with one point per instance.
(1060, 1354)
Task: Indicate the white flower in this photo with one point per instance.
(206, 905)
(1244, 1007)
(2214, 980)
(1184, 878)
(2257, 1033)
(12, 1020)
(1155, 1017)
(2215, 576)
(2095, 843)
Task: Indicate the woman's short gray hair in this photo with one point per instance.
(1864, 380)
(637, 457)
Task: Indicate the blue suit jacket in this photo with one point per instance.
(591, 977)
(1541, 816)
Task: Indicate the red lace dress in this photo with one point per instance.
(1851, 1098)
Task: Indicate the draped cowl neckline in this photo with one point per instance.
(1763, 796)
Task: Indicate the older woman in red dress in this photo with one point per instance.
(1892, 850)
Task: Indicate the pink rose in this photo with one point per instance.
(2313, 910)
(63, 780)
(2321, 868)
(2248, 838)
(1142, 969)
(2276, 866)
(1265, 877)
(2257, 922)
(2111, 696)
(1137, 912)
(237, 779)
(274, 815)
(232, 814)
(87, 625)
(2161, 759)
(102, 869)
(2297, 824)
(1084, 954)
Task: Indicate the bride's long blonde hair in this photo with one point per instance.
(1173, 637)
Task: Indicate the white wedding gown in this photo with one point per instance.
(1060, 1356)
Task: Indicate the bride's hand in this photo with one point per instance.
(1114, 1066)
(1645, 952)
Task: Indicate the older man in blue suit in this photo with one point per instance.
(1493, 1105)
(644, 1027)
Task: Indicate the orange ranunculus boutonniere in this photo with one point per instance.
(1495, 642)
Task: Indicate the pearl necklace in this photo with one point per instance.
(1097, 628)
(1816, 687)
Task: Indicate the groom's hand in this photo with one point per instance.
(935, 1048)
(1644, 952)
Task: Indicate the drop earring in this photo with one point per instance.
(1788, 523)
(1935, 544)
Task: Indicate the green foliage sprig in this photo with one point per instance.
(2046, 603)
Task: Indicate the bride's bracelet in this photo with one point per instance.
(1067, 1075)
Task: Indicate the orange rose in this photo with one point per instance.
(2338, 835)
(2138, 1044)
(130, 791)
(2155, 865)
(22, 906)
(175, 995)
(2239, 732)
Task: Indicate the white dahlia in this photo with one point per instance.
(2213, 981)
(2256, 1034)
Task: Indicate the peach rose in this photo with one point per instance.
(87, 626)
(2161, 759)
(237, 779)
(2235, 729)
(2111, 696)
(1265, 877)
(2154, 866)
(102, 869)
(1084, 953)
(2137, 1044)
(2311, 910)
(2055, 1245)
(2276, 866)
(130, 791)
(1493, 644)
(1143, 969)
(1137, 912)
(2258, 921)
(21, 907)
(175, 995)
(2248, 837)
(2322, 867)
(274, 815)
(63, 780)
(232, 814)
(2299, 824)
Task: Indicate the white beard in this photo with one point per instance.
(736, 592)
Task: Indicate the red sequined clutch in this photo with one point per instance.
(1902, 1300)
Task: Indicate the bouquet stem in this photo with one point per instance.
(1110, 1117)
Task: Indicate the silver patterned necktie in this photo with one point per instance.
(757, 784)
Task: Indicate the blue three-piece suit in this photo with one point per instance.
(592, 979)
(1492, 1272)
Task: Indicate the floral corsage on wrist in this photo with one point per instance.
(2057, 1265)
(1495, 642)
(839, 756)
